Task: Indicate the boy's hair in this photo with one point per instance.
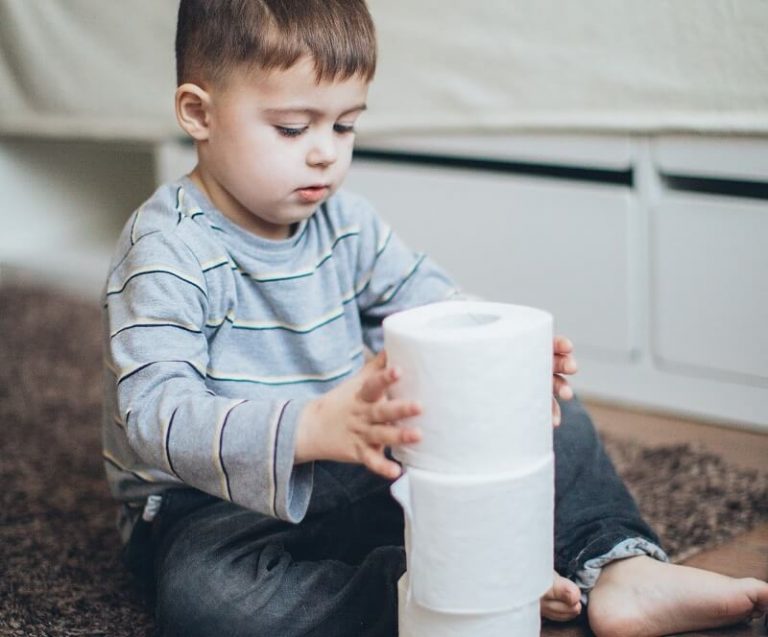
(213, 37)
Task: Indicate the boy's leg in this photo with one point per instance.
(321, 559)
(643, 597)
(222, 569)
(637, 596)
(596, 519)
(594, 511)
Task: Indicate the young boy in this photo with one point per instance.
(244, 433)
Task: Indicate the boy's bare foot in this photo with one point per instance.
(561, 602)
(642, 597)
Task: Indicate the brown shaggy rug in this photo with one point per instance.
(60, 572)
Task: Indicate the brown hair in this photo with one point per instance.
(213, 37)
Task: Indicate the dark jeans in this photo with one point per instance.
(213, 568)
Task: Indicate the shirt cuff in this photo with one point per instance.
(586, 578)
(293, 484)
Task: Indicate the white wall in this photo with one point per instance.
(664, 291)
(63, 204)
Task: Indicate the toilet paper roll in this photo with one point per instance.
(401, 492)
(478, 544)
(483, 375)
(416, 621)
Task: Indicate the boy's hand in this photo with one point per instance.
(355, 421)
(564, 363)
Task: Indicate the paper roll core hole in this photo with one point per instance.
(468, 319)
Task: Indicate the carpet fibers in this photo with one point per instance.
(60, 572)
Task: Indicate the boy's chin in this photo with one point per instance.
(302, 210)
(294, 216)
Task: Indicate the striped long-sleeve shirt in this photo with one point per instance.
(215, 340)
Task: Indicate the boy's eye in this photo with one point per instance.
(288, 131)
(343, 128)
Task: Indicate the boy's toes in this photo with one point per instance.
(562, 601)
(559, 611)
(563, 590)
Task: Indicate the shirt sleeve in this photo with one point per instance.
(392, 278)
(237, 449)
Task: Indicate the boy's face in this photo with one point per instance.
(278, 145)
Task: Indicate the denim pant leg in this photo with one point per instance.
(221, 569)
(594, 511)
(224, 570)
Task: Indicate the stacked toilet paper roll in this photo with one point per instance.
(478, 490)
(418, 621)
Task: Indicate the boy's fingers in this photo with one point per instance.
(391, 410)
(565, 364)
(562, 345)
(561, 388)
(390, 435)
(376, 385)
(555, 413)
(379, 361)
(378, 463)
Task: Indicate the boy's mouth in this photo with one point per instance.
(312, 194)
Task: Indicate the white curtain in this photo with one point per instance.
(102, 68)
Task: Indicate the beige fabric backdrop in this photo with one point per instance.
(103, 68)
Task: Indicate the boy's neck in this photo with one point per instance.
(234, 211)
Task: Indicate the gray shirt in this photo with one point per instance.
(215, 340)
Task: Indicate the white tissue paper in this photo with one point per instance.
(478, 490)
(478, 543)
(483, 375)
(416, 621)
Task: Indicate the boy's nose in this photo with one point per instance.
(322, 153)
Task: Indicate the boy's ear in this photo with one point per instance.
(192, 110)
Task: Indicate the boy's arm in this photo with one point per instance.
(239, 450)
(391, 277)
